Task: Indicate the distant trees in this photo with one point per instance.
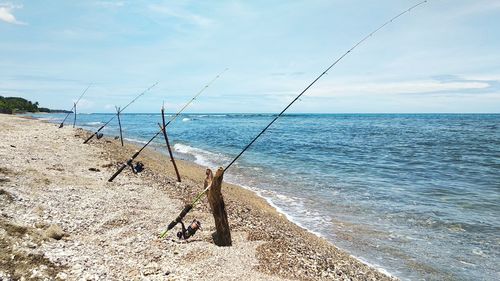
(12, 105)
(44, 109)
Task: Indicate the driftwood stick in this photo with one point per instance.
(222, 236)
(119, 123)
(74, 120)
(164, 130)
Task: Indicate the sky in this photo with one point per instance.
(443, 56)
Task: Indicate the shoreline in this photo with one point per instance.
(285, 249)
(267, 200)
(257, 194)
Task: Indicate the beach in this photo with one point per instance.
(61, 219)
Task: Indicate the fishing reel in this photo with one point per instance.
(99, 136)
(188, 232)
(137, 168)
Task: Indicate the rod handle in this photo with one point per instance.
(122, 167)
(95, 134)
(89, 138)
(179, 218)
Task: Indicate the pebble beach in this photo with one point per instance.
(62, 220)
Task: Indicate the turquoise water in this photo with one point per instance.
(416, 195)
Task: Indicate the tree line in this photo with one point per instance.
(11, 105)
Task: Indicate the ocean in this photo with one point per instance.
(416, 195)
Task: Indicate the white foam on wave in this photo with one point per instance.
(135, 140)
(373, 265)
(202, 157)
(186, 119)
(207, 115)
(93, 123)
(49, 119)
(271, 197)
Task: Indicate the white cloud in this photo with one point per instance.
(350, 87)
(110, 4)
(475, 8)
(6, 14)
(84, 104)
(182, 14)
(405, 87)
(483, 77)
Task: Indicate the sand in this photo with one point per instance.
(61, 219)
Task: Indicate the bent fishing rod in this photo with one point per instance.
(129, 162)
(118, 112)
(74, 105)
(188, 207)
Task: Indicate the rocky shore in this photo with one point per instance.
(61, 219)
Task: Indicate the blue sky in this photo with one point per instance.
(442, 57)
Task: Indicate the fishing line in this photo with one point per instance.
(317, 78)
(188, 207)
(74, 105)
(121, 110)
(129, 162)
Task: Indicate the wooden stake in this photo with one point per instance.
(164, 129)
(119, 123)
(74, 120)
(222, 237)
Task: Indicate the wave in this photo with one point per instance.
(186, 119)
(208, 115)
(93, 123)
(200, 156)
(289, 206)
(135, 140)
(49, 119)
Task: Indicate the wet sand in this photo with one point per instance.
(61, 219)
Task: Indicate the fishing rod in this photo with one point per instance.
(118, 112)
(74, 105)
(188, 207)
(129, 162)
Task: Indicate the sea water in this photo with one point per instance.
(417, 195)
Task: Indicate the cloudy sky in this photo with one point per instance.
(442, 57)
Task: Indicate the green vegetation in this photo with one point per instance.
(11, 105)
